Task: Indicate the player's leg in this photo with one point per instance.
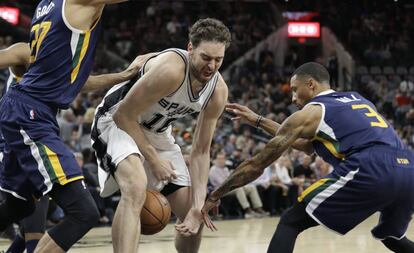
(393, 224)
(15, 206)
(34, 226)
(132, 180)
(402, 245)
(81, 214)
(180, 201)
(14, 209)
(291, 224)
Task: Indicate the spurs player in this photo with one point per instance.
(133, 142)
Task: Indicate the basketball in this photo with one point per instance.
(155, 213)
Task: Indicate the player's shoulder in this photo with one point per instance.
(168, 60)
(221, 91)
(221, 86)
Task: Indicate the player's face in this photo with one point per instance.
(206, 59)
(301, 91)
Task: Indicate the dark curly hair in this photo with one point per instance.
(209, 29)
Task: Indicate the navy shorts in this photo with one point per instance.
(34, 156)
(377, 179)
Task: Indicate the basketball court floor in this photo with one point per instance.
(244, 236)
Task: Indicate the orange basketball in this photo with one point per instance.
(155, 213)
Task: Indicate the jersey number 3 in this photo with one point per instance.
(379, 122)
(39, 33)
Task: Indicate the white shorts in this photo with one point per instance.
(112, 145)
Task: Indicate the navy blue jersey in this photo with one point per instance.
(350, 123)
(61, 56)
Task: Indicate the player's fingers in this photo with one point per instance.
(173, 175)
(235, 118)
(234, 106)
(209, 223)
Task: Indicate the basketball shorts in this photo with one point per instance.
(377, 179)
(112, 145)
(34, 156)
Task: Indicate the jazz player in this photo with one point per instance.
(133, 142)
(16, 58)
(63, 39)
(373, 169)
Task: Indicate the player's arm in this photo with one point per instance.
(301, 124)
(164, 74)
(16, 55)
(105, 81)
(244, 113)
(203, 135)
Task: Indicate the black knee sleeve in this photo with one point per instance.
(36, 222)
(13, 210)
(399, 246)
(81, 213)
(296, 217)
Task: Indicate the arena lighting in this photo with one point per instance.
(304, 29)
(10, 14)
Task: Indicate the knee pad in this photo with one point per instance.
(13, 210)
(81, 214)
(296, 217)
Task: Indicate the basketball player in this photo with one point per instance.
(16, 58)
(133, 141)
(36, 162)
(373, 170)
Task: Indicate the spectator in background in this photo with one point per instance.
(218, 174)
(271, 194)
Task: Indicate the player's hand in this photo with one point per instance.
(191, 224)
(208, 205)
(136, 65)
(163, 170)
(242, 113)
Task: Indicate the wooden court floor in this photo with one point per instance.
(244, 236)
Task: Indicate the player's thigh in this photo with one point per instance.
(394, 221)
(130, 175)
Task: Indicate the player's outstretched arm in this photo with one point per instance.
(243, 113)
(106, 81)
(301, 124)
(163, 75)
(16, 55)
(200, 157)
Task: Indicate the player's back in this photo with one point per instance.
(349, 124)
(61, 56)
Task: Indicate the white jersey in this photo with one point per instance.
(158, 118)
(112, 144)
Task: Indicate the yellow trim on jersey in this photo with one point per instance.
(312, 188)
(57, 167)
(330, 147)
(85, 45)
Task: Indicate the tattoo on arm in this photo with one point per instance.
(251, 169)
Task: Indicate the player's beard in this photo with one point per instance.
(198, 75)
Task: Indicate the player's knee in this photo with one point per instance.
(20, 208)
(297, 218)
(86, 213)
(133, 192)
